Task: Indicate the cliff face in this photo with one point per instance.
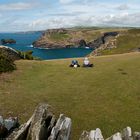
(59, 38)
(66, 38)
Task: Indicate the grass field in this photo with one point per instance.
(106, 96)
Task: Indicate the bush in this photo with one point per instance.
(6, 64)
(26, 55)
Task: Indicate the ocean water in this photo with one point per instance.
(25, 40)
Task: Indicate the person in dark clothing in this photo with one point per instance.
(74, 63)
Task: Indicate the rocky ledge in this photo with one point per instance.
(63, 38)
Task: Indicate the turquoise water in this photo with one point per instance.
(24, 41)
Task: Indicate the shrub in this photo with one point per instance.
(6, 64)
(26, 55)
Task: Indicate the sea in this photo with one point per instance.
(24, 43)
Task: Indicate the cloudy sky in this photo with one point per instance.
(25, 15)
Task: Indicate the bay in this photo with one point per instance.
(25, 40)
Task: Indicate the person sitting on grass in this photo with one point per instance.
(87, 63)
(74, 64)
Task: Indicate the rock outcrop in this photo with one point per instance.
(43, 125)
(9, 53)
(7, 125)
(126, 134)
(8, 41)
(102, 40)
(92, 135)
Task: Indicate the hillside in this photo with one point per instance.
(106, 96)
(127, 42)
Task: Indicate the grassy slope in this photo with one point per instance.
(126, 43)
(106, 96)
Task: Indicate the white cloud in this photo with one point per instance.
(16, 6)
(123, 19)
(68, 13)
(123, 7)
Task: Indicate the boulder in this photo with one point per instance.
(92, 135)
(21, 133)
(62, 129)
(136, 135)
(7, 125)
(84, 136)
(3, 130)
(116, 136)
(43, 126)
(11, 123)
(98, 135)
(42, 122)
(127, 133)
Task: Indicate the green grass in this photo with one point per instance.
(106, 96)
(59, 36)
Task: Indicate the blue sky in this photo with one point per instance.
(25, 15)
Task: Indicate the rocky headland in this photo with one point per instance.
(73, 38)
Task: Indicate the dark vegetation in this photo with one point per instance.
(8, 56)
(26, 55)
(6, 64)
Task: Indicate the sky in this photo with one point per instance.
(33, 15)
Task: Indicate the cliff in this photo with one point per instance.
(72, 38)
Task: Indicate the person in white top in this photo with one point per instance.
(87, 63)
